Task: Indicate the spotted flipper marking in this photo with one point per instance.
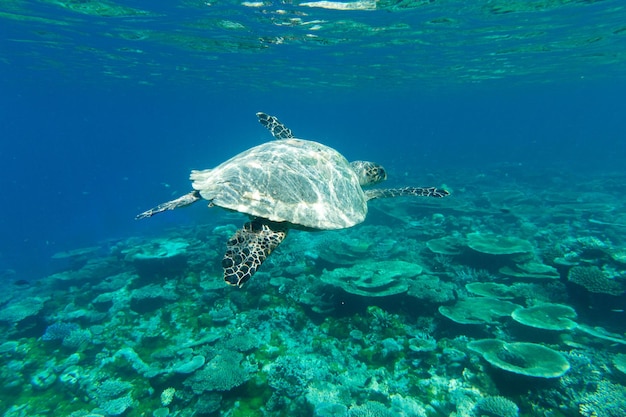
(278, 130)
(248, 248)
(406, 191)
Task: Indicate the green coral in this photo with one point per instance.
(156, 249)
(447, 245)
(619, 361)
(496, 407)
(478, 310)
(529, 359)
(113, 396)
(373, 279)
(546, 316)
(593, 279)
(491, 289)
(222, 373)
(497, 245)
(609, 400)
(531, 270)
(370, 409)
(100, 8)
(431, 289)
(18, 310)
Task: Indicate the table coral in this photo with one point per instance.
(493, 244)
(373, 279)
(478, 310)
(491, 289)
(529, 359)
(530, 270)
(546, 316)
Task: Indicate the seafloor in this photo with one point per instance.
(504, 299)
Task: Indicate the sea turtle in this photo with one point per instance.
(284, 184)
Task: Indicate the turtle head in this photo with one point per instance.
(369, 173)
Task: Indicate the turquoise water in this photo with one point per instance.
(504, 298)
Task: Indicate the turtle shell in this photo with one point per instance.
(298, 181)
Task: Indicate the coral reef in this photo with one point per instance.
(463, 309)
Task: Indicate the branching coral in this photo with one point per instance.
(77, 339)
(222, 373)
(59, 331)
(370, 409)
(609, 400)
(18, 310)
(290, 375)
(496, 407)
(594, 280)
(113, 396)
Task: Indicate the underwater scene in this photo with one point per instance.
(364, 208)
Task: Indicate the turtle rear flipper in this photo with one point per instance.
(182, 201)
(406, 191)
(248, 248)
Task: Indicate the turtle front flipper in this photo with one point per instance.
(248, 248)
(278, 130)
(182, 201)
(406, 191)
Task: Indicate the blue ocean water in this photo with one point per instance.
(106, 106)
(79, 162)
